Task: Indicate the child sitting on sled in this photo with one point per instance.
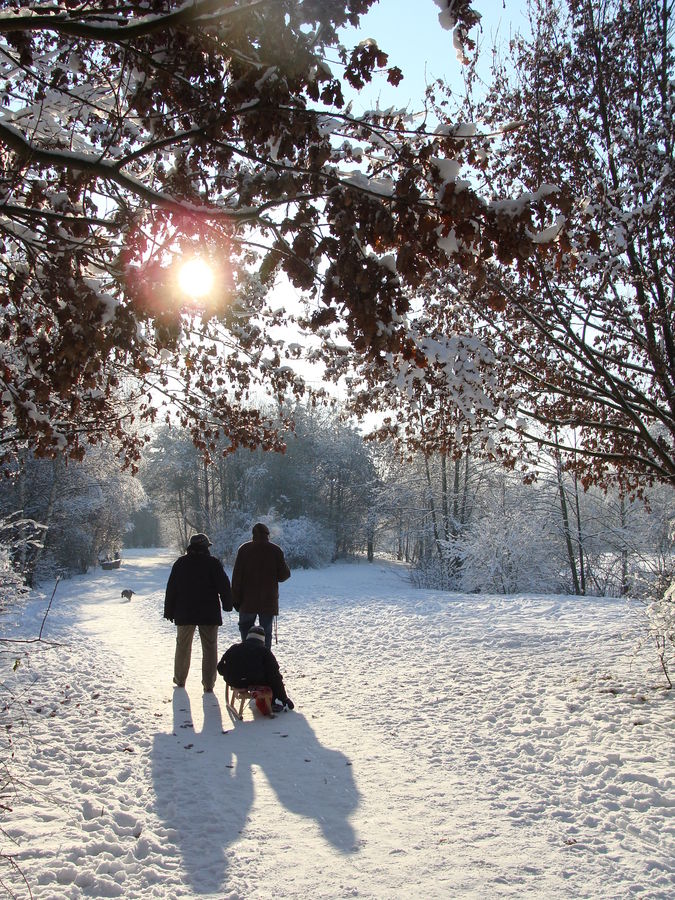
(251, 665)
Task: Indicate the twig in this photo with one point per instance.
(36, 640)
(661, 647)
(17, 869)
(58, 578)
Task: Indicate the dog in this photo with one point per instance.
(127, 594)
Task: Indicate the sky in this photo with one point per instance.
(412, 36)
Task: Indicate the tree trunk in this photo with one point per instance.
(46, 521)
(22, 528)
(444, 495)
(182, 518)
(370, 531)
(580, 538)
(432, 507)
(465, 513)
(566, 526)
(207, 500)
(624, 548)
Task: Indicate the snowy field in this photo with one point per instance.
(442, 746)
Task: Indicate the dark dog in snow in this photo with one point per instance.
(127, 594)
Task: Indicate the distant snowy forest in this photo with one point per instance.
(462, 524)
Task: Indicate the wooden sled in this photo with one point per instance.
(261, 695)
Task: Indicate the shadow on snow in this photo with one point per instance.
(204, 784)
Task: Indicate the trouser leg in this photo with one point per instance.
(181, 662)
(246, 621)
(209, 638)
(266, 622)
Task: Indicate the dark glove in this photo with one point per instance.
(289, 703)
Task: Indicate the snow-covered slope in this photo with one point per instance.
(442, 746)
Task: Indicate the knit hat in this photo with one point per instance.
(199, 541)
(260, 528)
(256, 632)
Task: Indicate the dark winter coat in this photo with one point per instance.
(251, 663)
(196, 589)
(258, 569)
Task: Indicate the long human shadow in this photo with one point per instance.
(203, 810)
(204, 790)
(309, 779)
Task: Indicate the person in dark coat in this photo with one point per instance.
(258, 569)
(195, 592)
(251, 665)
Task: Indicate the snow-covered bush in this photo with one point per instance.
(661, 621)
(228, 537)
(18, 539)
(498, 554)
(508, 554)
(72, 548)
(433, 573)
(306, 543)
(11, 583)
(69, 515)
(659, 624)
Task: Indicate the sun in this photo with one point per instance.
(195, 277)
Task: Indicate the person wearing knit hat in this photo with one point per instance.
(257, 633)
(259, 568)
(196, 591)
(250, 664)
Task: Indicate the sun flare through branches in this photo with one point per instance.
(196, 278)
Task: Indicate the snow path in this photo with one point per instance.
(442, 746)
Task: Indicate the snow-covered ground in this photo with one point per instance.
(442, 746)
